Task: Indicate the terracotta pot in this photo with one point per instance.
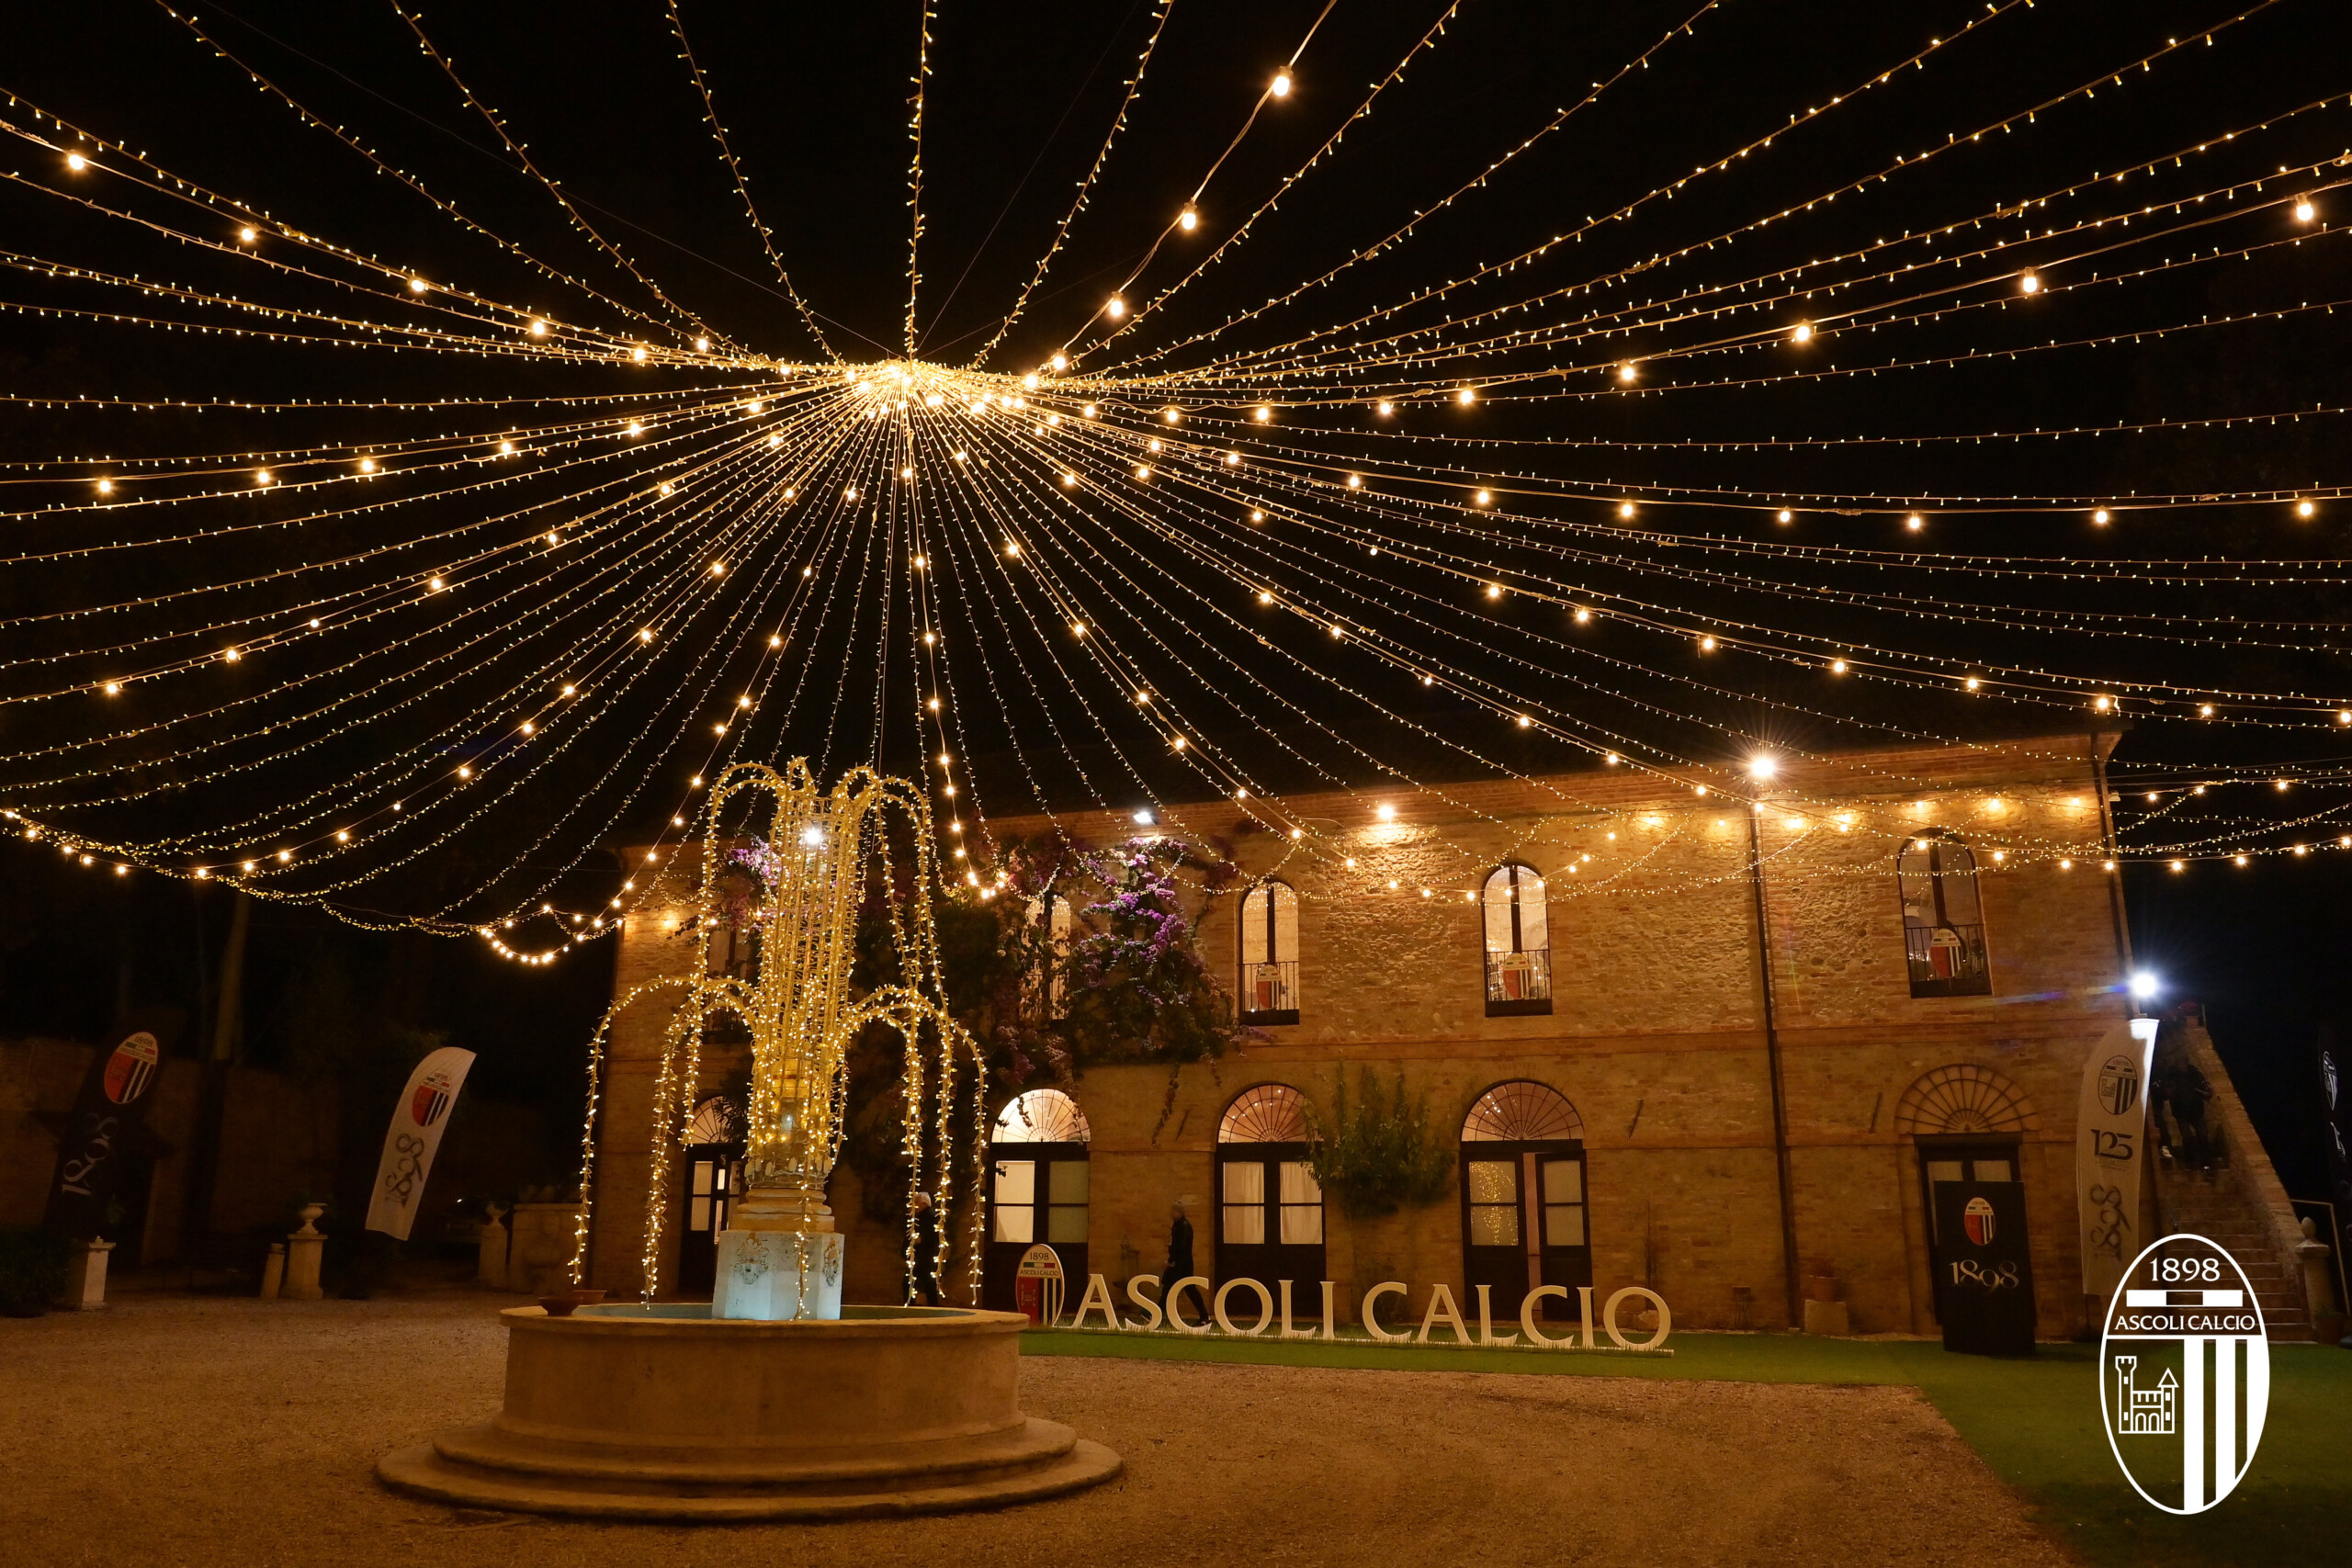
(586, 1298)
(560, 1306)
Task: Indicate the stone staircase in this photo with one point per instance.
(2239, 1204)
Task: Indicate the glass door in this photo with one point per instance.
(1269, 1217)
(1523, 1222)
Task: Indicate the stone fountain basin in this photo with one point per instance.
(665, 1413)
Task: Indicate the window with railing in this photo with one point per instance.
(1051, 913)
(1943, 919)
(1519, 943)
(1268, 979)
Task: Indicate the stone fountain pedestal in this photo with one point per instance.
(624, 1412)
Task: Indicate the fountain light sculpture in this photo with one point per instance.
(774, 1401)
(825, 850)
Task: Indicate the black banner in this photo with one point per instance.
(1984, 1275)
(108, 1123)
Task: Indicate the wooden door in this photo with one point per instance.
(1524, 1224)
(1951, 1158)
(1036, 1192)
(713, 1180)
(1269, 1218)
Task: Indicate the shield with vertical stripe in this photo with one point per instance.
(2184, 1374)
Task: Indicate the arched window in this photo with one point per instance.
(1943, 919)
(1270, 1207)
(1037, 1190)
(1269, 987)
(1519, 943)
(1524, 1201)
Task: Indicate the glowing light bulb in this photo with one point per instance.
(2100, 516)
(1068, 481)
(1786, 515)
(1972, 683)
(637, 427)
(1264, 414)
(436, 585)
(1257, 516)
(1264, 598)
(248, 233)
(261, 477)
(1627, 372)
(417, 286)
(2304, 509)
(368, 466)
(1188, 221)
(2029, 284)
(1583, 616)
(1355, 481)
(1915, 522)
(1763, 767)
(113, 686)
(75, 162)
(1493, 591)
(2305, 212)
(1486, 498)
(645, 635)
(1706, 645)
(638, 355)
(1114, 307)
(702, 346)
(1385, 408)
(1280, 88)
(1625, 509)
(1802, 334)
(1837, 667)
(106, 487)
(1465, 396)
(538, 329)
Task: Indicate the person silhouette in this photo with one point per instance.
(1180, 1249)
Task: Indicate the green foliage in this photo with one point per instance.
(32, 1272)
(1380, 1156)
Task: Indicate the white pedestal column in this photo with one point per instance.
(85, 1276)
(779, 1258)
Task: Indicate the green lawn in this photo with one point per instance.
(2036, 1422)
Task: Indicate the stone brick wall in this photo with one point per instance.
(1658, 1030)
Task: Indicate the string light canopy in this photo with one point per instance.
(435, 551)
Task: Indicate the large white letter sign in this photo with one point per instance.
(1175, 1309)
(1146, 1302)
(1372, 1322)
(1533, 1304)
(1097, 1298)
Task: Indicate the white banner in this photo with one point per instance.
(414, 1137)
(2112, 1135)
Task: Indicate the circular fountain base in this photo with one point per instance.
(666, 1413)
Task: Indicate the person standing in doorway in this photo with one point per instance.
(1180, 1249)
(923, 1282)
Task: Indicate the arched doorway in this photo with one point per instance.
(1968, 1124)
(1524, 1210)
(1270, 1207)
(714, 1160)
(1037, 1191)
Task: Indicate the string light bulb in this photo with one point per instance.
(2029, 284)
(1280, 88)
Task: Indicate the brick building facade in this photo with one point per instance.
(1905, 1033)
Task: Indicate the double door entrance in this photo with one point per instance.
(1947, 1160)
(1523, 1222)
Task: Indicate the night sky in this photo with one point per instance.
(1643, 418)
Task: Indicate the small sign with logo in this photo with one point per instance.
(2184, 1374)
(1984, 1274)
(1038, 1285)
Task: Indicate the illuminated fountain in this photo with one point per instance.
(774, 1401)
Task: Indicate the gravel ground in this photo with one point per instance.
(176, 1430)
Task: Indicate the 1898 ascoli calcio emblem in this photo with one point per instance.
(2184, 1374)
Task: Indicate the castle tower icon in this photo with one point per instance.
(2142, 1412)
